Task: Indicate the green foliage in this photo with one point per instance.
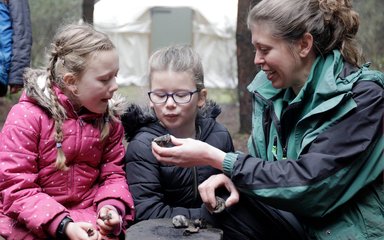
(371, 30)
(6, 104)
(223, 96)
(134, 94)
(46, 17)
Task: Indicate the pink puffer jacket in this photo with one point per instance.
(34, 195)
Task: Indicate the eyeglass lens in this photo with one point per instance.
(178, 97)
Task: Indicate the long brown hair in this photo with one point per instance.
(332, 23)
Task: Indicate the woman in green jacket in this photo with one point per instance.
(315, 163)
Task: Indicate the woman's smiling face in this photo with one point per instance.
(277, 58)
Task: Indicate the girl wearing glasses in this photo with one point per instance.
(178, 106)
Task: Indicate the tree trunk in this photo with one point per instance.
(88, 6)
(246, 68)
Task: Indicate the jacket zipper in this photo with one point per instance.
(71, 187)
(194, 169)
(269, 118)
(283, 132)
(195, 182)
(81, 124)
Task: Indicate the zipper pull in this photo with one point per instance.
(274, 148)
(285, 152)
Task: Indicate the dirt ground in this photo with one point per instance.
(229, 117)
(5, 105)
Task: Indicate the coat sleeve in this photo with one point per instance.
(22, 40)
(22, 198)
(144, 179)
(339, 162)
(113, 188)
(6, 44)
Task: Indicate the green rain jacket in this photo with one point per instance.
(319, 154)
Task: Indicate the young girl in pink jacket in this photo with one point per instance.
(61, 151)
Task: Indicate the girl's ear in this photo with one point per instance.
(305, 45)
(202, 97)
(70, 82)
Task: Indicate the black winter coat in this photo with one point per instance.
(164, 191)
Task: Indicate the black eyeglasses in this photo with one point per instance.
(180, 97)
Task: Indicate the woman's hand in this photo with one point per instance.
(109, 221)
(81, 231)
(208, 187)
(189, 152)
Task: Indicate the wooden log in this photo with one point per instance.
(163, 229)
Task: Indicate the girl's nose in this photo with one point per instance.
(114, 85)
(170, 102)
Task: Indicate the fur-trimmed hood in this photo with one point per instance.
(35, 90)
(137, 116)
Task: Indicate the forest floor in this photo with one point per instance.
(226, 98)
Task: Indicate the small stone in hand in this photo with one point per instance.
(220, 205)
(90, 232)
(106, 217)
(164, 141)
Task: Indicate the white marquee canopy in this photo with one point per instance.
(128, 24)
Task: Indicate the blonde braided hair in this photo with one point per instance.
(71, 48)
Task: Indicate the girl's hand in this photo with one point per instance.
(208, 187)
(189, 152)
(81, 231)
(109, 221)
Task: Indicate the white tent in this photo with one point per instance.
(128, 24)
